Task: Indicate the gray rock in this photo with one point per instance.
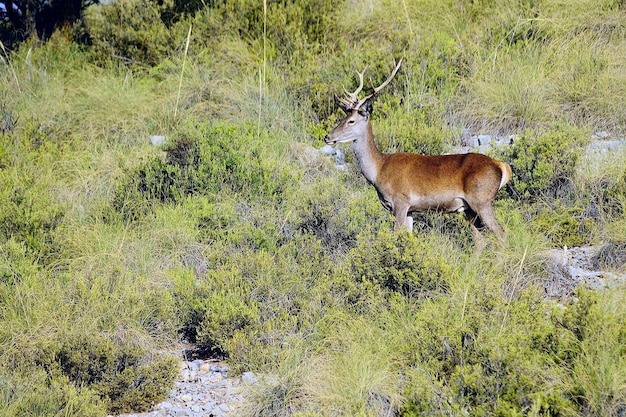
(328, 150)
(249, 378)
(165, 406)
(157, 140)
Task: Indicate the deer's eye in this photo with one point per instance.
(351, 121)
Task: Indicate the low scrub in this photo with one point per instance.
(227, 159)
(400, 263)
(544, 164)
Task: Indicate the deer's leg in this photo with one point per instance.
(408, 222)
(475, 223)
(488, 218)
(402, 218)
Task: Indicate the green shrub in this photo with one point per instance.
(16, 262)
(131, 31)
(215, 309)
(564, 226)
(321, 209)
(121, 373)
(486, 356)
(37, 394)
(611, 196)
(595, 327)
(544, 165)
(137, 387)
(77, 371)
(225, 160)
(400, 262)
(418, 130)
(612, 255)
(30, 210)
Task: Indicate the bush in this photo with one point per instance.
(400, 262)
(544, 165)
(564, 226)
(120, 373)
(611, 255)
(88, 371)
(131, 31)
(36, 394)
(215, 309)
(485, 355)
(334, 214)
(226, 160)
(611, 196)
(418, 130)
(30, 213)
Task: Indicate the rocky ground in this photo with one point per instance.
(204, 389)
(573, 267)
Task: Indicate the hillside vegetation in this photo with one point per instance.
(238, 236)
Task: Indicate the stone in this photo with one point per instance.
(157, 140)
(473, 142)
(202, 389)
(249, 378)
(165, 406)
(195, 365)
(328, 150)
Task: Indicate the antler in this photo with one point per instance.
(352, 101)
(352, 98)
(380, 87)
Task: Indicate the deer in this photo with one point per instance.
(407, 183)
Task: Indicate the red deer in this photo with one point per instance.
(408, 182)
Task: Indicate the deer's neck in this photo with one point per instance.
(369, 157)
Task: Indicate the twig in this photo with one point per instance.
(182, 70)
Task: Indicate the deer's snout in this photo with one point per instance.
(328, 140)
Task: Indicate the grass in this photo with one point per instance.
(289, 268)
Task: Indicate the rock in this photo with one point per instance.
(473, 142)
(164, 406)
(328, 150)
(572, 267)
(249, 378)
(606, 145)
(157, 140)
(179, 411)
(203, 389)
(195, 365)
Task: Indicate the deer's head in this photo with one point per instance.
(358, 111)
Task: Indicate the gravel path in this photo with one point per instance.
(203, 389)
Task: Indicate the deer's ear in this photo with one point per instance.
(366, 108)
(342, 105)
(344, 108)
